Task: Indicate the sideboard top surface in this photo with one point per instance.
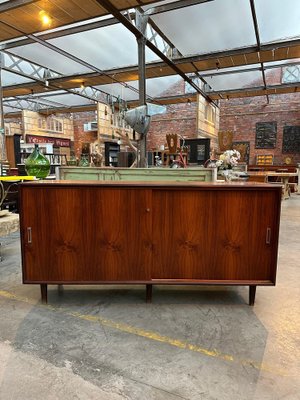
(165, 184)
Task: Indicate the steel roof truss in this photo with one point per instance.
(16, 64)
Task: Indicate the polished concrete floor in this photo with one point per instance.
(190, 343)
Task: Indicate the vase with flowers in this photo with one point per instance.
(226, 162)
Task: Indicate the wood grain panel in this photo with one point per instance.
(118, 233)
(57, 227)
(181, 246)
(213, 236)
(89, 232)
(241, 223)
(90, 235)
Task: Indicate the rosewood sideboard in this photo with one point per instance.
(96, 232)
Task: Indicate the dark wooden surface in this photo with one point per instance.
(149, 234)
(87, 235)
(252, 292)
(217, 236)
(275, 168)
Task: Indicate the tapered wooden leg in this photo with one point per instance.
(148, 293)
(60, 289)
(252, 292)
(44, 293)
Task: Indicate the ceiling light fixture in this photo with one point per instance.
(45, 18)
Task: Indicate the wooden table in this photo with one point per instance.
(284, 179)
(257, 176)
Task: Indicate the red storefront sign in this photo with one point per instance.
(58, 142)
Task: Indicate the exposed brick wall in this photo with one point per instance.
(179, 118)
(241, 115)
(80, 136)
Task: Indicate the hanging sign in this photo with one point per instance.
(57, 142)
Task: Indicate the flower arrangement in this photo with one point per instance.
(228, 159)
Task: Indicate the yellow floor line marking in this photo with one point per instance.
(147, 334)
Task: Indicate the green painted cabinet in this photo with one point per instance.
(137, 174)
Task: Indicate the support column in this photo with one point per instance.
(2, 129)
(141, 24)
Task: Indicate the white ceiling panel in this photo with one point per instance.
(161, 86)
(278, 19)
(69, 99)
(9, 78)
(235, 81)
(116, 89)
(105, 48)
(208, 27)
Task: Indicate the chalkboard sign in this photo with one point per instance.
(291, 139)
(266, 135)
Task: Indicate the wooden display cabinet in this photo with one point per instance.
(75, 232)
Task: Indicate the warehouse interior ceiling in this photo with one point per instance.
(65, 55)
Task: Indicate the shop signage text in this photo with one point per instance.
(58, 142)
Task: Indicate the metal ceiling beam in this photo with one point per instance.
(100, 24)
(176, 5)
(100, 72)
(232, 93)
(253, 69)
(34, 99)
(199, 57)
(16, 64)
(28, 104)
(115, 12)
(238, 51)
(12, 4)
(173, 99)
(69, 55)
(170, 48)
(169, 100)
(193, 59)
(60, 110)
(256, 29)
(173, 50)
(83, 28)
(133, 69)
(91, 107)
(62, 32)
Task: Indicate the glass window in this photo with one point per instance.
(291, 74)
(50, 124)
(210, 113)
